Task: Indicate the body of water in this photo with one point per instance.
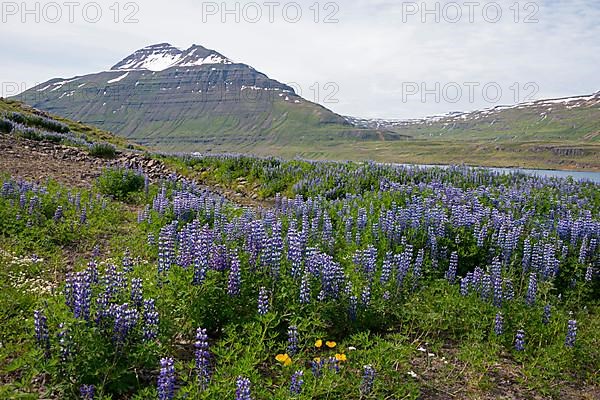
(550, 173)
(577, 175)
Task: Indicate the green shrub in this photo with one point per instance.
(29, 133)
(5, 126)
(120, 183)
(103, 150)
(39, 121)
(17, 117)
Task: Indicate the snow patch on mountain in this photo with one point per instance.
(212, 59)
(163, 56)
(118, 79)
(60, 84)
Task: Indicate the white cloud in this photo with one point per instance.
(369, 54)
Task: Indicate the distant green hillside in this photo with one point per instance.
(571, 119)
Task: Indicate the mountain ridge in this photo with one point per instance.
(171, 98)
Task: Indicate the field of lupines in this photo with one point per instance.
(357, 281)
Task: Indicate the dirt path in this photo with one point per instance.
(38, 162)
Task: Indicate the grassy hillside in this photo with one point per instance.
(190, 109)
(570, 120)
(84, 131)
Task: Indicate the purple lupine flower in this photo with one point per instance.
(127, 262)
(365, 297)
(292, 348)
(68, 292)
(532, 289)
(83, 216)
(166, 379)
(102, 308)
(571, 333)
(305, 289)
(42, 335)
(150, 320)
(151, 239)
(96, 251)
(263, 301)
(333, 364)
(589, 273)
(126, 319)
(547, 314)
(65, 342)
(496, 277)
(200, 269)
(368, 379)
(78, 293)
(58, 214)
(403, 263)
(235, 277)
(583, 251)
(242, 391)
(295, 252)
(520, 340)
(87, 392)
(166, 247)
(486, 286)
(317, 367)
(417, 268)
(353, 308)
(202, 358)
(499, 324)
(297, 382)
(451, 273)
(509, 291)
(386, 269)
(464, 285)
(137, 292)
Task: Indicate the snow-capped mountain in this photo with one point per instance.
(160, 57)
(191, 99)
(455, 117)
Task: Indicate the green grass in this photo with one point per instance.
(426, 340)
(87, 132)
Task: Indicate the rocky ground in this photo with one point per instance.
(39, 161)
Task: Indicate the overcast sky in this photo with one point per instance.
(368, 58)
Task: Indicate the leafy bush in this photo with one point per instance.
(17, 117)
(103, 150)
(120, 183)
(5, 126)
(29, 133)
(39, 121)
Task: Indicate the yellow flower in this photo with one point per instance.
(341, 357)
(318, 343)
(284, 359)
(331, 345)
(317, 359)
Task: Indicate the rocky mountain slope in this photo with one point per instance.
(193, 99)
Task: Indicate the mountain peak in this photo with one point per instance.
(162, 56)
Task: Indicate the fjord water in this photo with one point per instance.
(548, 173)
(576, 175)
